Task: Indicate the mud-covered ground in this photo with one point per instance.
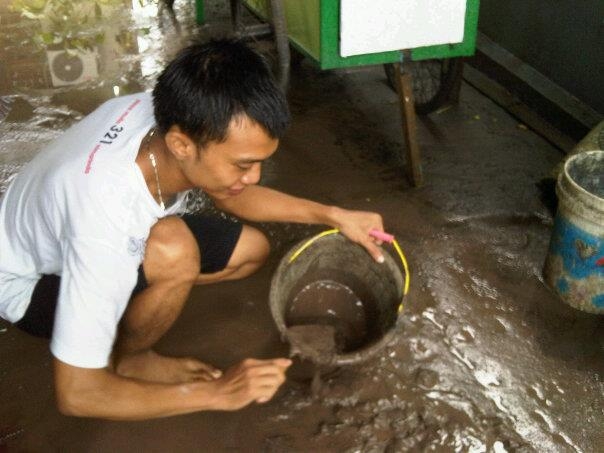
(485, 357)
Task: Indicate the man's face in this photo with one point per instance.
(224, 170)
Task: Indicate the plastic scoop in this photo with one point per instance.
(382, 236)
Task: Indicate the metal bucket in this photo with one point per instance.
(358, 299)
(574, 267)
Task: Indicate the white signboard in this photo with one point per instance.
(370, 26)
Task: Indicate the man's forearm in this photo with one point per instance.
(102, 394)
(261, 204)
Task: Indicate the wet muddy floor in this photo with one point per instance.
(484, 358)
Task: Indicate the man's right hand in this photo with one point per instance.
(249, 381)
(99, 392)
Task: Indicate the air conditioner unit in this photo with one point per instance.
(70, 67)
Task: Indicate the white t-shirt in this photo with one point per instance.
(81, 209)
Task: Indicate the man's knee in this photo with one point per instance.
(171, 251)
(251, 251)
(259, 245)
(262, 246)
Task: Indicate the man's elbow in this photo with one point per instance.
(66, 408)
(70, 404)
(77, 389)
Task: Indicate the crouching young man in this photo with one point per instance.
(97, 254)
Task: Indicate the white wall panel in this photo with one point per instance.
(370, 26)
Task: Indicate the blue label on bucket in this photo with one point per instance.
(598, 301)
(562, 285)
(580, 251)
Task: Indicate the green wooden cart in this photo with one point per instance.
(425, 77)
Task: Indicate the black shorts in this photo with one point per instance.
(215, 236)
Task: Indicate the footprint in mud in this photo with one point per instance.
(503, 325)
(426, 379)
(420, 351)
(540, 395)
(460, 334)
(543, 419)
(481, 288)
(430, 315)
(487, 378)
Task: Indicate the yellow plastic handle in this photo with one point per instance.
(395, 244)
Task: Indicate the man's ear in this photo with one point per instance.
(180, 144)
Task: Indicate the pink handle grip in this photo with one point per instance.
(382, 236)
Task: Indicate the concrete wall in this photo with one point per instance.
(563, 39)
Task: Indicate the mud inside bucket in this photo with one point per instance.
(333, 303)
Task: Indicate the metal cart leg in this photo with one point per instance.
(404, 89)
(236, 15)
(279, 30)
(246, 31)
(456, 88)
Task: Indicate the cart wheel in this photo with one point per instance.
(433, 81)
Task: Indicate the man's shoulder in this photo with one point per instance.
(125, 100)
(102, 138)
(116, 111)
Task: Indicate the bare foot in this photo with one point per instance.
(150, 366)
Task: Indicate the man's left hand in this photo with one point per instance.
(356, 225)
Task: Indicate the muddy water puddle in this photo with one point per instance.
(482, 359)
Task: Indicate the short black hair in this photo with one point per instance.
(208, 84)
